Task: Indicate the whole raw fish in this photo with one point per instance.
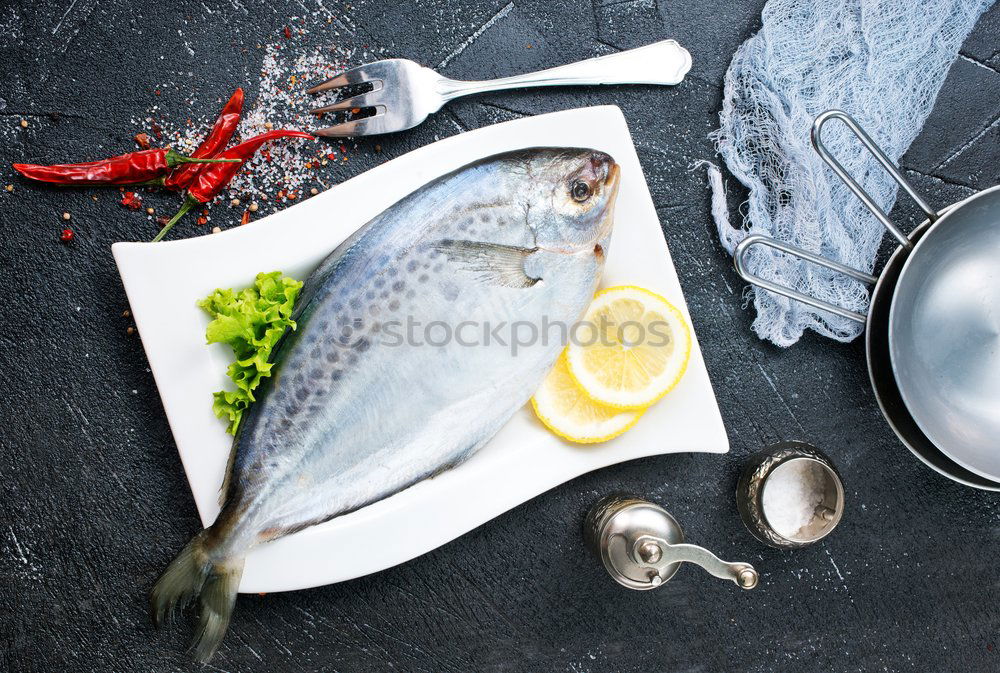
(414, 346)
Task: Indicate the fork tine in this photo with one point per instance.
(368, 99)
(368, 126)
(332, 83)
(358, 75)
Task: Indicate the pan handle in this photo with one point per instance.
(858, 190)
(739, 258)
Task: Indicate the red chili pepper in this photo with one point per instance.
(66, 236)
(126, 169)
(213, 145)
(210, 182)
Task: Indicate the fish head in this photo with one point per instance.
(576, 190)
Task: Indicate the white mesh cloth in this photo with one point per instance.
(881, 62)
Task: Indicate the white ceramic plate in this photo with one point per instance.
(163, 281)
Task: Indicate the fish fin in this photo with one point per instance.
(226, 480)
(444, 468)
(501, 264)
(192, 575)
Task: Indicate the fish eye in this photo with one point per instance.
(580, 190)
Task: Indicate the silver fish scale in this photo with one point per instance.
(349, 418)
(344, 330)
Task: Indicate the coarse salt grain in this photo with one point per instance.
(792, 493)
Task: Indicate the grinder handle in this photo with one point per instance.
(743, 574)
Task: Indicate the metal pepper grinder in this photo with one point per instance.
(642, 545)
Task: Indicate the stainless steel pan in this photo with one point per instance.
(944, 333)
(944, 387)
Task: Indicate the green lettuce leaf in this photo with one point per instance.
(251, 321)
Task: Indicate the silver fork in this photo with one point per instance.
(405, 93)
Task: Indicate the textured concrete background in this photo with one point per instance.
(94, 502)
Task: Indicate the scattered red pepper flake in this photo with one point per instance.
(66, 236)
(246, 217)
(142, 139)
(162, 220)
(202, 220)
(156, 129)
(331, 156)
(131, 200)
(288, 33)
(292, 196)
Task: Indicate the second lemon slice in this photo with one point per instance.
(568, 412)
(631, 348)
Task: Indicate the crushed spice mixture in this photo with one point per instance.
(282, 172)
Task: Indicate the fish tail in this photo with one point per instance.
(192, 575)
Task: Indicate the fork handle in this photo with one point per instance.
(663, 62)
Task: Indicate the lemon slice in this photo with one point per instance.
(567, 411)
(631, 348)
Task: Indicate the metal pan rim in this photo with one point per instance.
(947, 215)
(938, 461)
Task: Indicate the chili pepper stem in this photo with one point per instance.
(159, 182)
(188, 205)
(174, 158)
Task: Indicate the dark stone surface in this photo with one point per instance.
(94, 502)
